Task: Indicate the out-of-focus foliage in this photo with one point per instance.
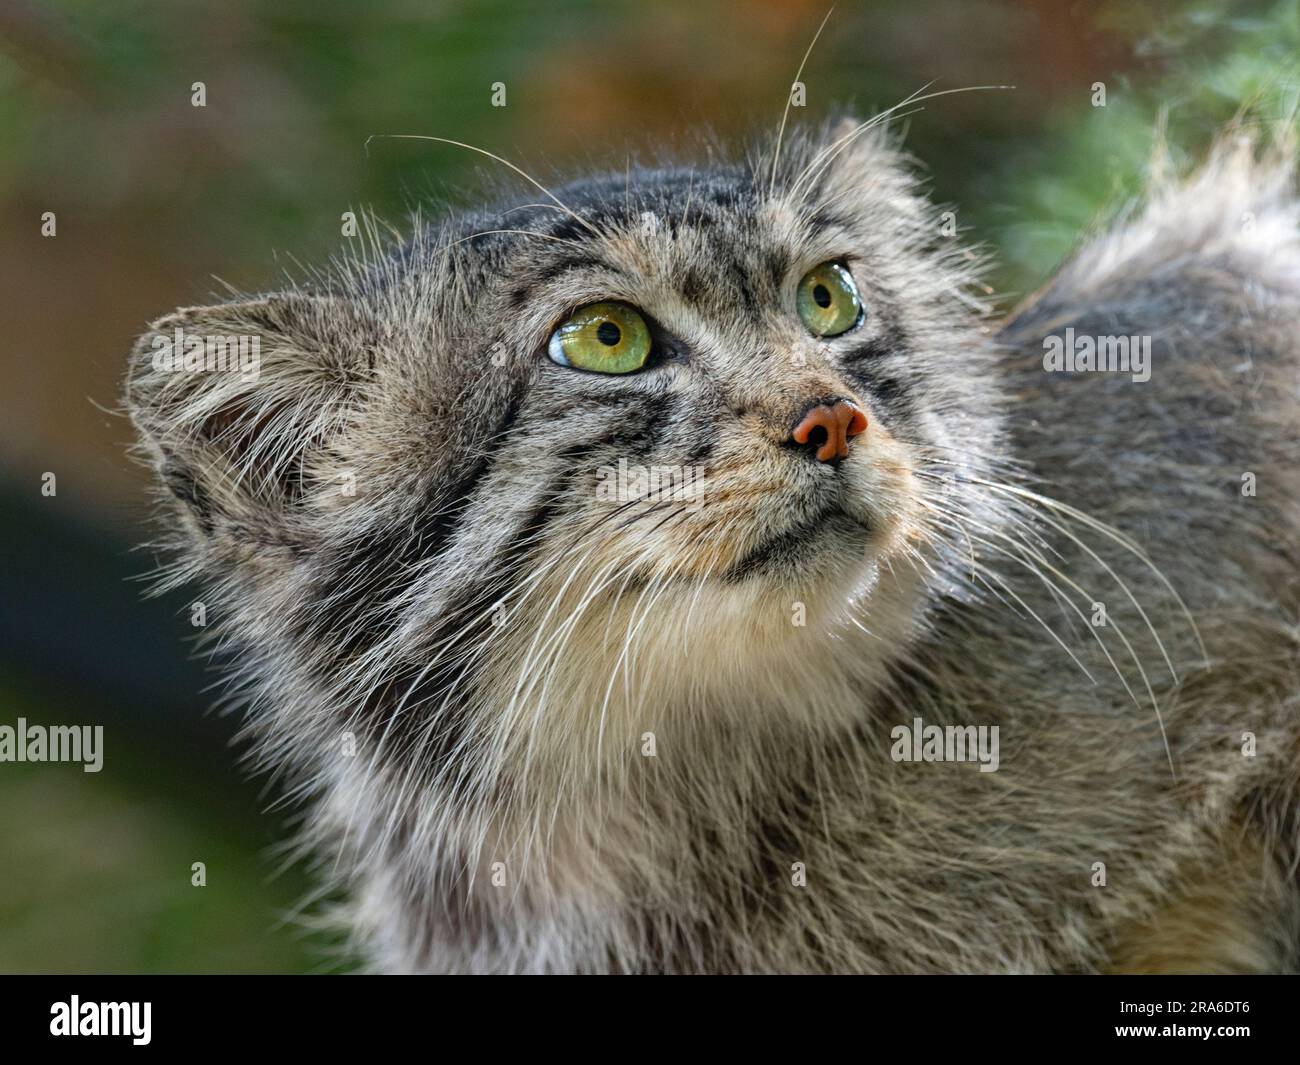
(1212, 64)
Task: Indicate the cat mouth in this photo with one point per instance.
(792, 549)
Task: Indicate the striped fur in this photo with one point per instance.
(504, 648)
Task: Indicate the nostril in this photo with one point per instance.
(817, 436)
(855, 422)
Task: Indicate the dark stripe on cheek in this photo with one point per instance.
(889, 391)
(863, 364)
(360, 576)
(636, 428)
(353, 619)
(467, 622)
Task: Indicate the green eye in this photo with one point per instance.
(828, 301)
(603, 338)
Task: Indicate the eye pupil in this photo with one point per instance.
(821, 296)
(608, 334)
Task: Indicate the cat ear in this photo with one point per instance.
(858, 162)
(237, 405)
(852, 144)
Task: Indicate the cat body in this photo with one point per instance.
(539, 726)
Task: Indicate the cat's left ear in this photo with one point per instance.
(239, 406)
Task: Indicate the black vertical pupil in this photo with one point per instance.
(821, 296)
(608, 334)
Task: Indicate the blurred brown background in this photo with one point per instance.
(155, 198)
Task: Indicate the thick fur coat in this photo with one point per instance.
(534, 729)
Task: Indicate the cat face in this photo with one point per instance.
(656, 408)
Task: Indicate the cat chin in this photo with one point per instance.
(606, 659)
(582, 689)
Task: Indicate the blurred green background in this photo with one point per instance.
(155, 198)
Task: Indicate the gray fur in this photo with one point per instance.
(498, 642)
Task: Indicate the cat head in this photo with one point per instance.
(670, 436)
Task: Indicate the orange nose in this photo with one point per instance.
(826, 429)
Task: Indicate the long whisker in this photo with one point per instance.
(1110, 532)
(985, 573)
(785, 115)
(1040, 561)
(827, 155)
(491, 155)
(517, 232)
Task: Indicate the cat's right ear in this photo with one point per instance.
(855, 152)
(237, 406)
